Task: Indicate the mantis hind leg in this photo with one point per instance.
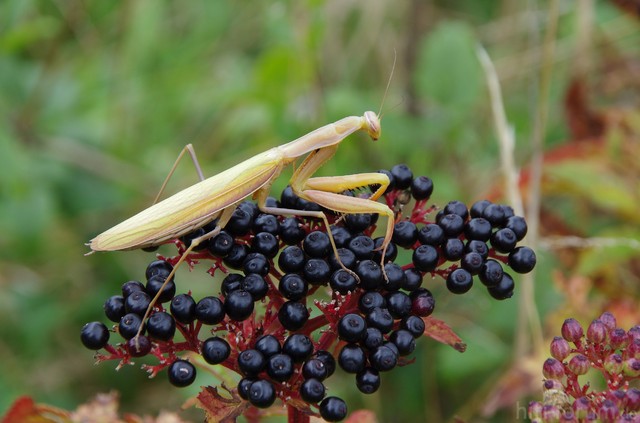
(222, 222)
(192, 153)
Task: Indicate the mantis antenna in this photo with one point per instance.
(386, 90)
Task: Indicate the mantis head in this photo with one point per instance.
(373, 125)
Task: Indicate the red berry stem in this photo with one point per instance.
(295, 415)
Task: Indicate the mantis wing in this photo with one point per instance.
(192, 207)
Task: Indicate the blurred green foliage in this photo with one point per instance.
(97, 99)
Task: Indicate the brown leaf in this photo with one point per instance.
(441, 332)
(219, 408)
(584, 123)
(102, 409)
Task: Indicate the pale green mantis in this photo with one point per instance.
(218, 196)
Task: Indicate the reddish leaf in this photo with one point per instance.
(441, 332)
(362, 416)
(583, 122)
(219, 408)
(25, 410)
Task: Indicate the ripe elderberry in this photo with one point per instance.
(238, 305)
(114, 308)
(333, 409)
(352, 358)
(368, 380)
(181, 373)
(161, 326)
(261, 394)
(280, 367)
(94, 335)
(215, 350)
(314, 368)
(268, 345)
(312, 390)
(255, 285)
(352, 327)
(210, 310)
(183, 308)
(251, 362)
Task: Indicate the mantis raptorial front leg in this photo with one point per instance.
(218, 196)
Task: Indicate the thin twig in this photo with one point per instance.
(561, 242)
(528, 315)
(506, 138)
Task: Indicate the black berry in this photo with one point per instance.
(333, 409)
(522, 259)
(268, 345)
(161, 326)
(351, 327)
(255, 285)
(459, 281)
(251, 362)
(261, 394)
(293, 287)
(293, 315)
(215, 350)
(94, 335)
(183, 308)
(114, 308)
(181, 373)
(129, 325)
(209, 311)
(280, 367)
(368, 380)
(312, 390)
(317, 244)
(291, 259)
(298, 346)
(238, 305)
(421, 188)
(352, 358)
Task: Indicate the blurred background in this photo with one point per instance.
(98, 98)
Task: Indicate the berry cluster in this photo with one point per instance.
(605, 348)
(367, 315)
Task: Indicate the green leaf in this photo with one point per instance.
(448, 72)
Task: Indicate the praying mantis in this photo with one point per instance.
(218, 196)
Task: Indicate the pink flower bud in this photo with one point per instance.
(535, 410)
(552, 384)
(553, 369)
(618, 338)
(571, 330)
(632, 400)
(608, 411)
(568, 417)
(633, 349)
(560, 348)
(609, 320)
(613, 364)
(631, 368)
(597, 332)
(550, 413)
(581, 407)
(617, 397)
(579, 364)
(634, 332)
